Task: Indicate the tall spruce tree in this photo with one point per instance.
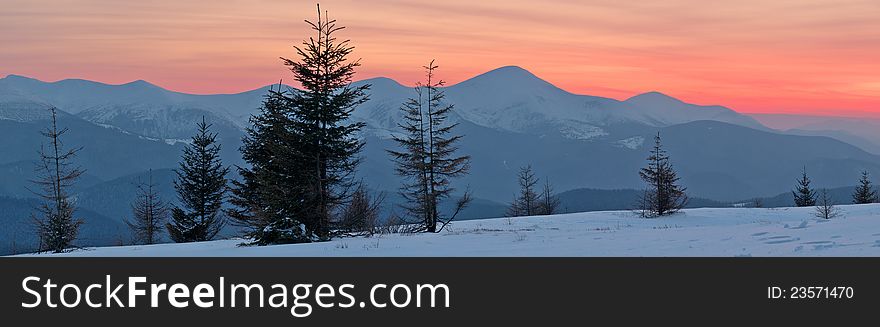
(272, 198)
(664, 195)
(201, 186)
(57, 228)
(149, 213)
(528, 201)
(428, 158)
(319, 118)
(804, 196)
(865, 192)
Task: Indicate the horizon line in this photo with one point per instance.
(849, 113)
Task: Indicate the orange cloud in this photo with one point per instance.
(811, 56)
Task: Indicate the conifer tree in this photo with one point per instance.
(201, 186)
(527, 202)
(272, 198)
(410, 161)
(804, 196)
(664, 195)
(428, 158)
(864, 193)
(319, 118)
(149, 213)
(57, 228)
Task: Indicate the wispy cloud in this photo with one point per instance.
(781, 55)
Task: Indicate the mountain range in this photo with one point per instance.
(862, 132)
(510, 118)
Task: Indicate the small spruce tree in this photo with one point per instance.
(664, 195)
(804, 196)
(201, 186)
(864, 193)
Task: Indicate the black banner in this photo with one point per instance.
(465, 291)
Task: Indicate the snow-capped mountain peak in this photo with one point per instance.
(510, 79)
(660, 109)
(508, 98)
(654, 98)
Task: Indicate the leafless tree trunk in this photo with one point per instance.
(527, 203)
(549, 201)
(825, 208)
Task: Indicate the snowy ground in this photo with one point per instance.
(693, 232)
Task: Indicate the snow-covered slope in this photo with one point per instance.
(508, 99)
(137, 107)
(692, 232)
(77, 95)
(511, 99)
(659, 109)
(514, 100)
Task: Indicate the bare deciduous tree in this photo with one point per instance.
(549, 201)
(825, 208)
(527, 202)
(361, 215)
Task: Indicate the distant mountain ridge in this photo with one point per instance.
(508, 98)
(859, 131)
(509, 116)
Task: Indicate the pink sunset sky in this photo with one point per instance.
(785, 56)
